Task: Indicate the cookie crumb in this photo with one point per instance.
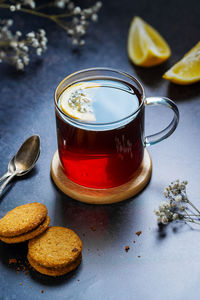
(42, 291)
(139, 256)
(127, 248)
(12, 261)
(133, 242)
(78, 280)
(138, 232)
(74, 250)
(93, 228)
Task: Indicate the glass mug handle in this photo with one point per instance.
(163, 134)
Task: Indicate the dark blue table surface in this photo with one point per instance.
(159, 265)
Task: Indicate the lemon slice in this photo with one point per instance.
(76, 103)
(186, 70)
(146, 47)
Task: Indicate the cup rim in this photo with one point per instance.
(88, 124)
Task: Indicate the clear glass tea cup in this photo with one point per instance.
(106, 154)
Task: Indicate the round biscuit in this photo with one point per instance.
(29, 235)
(55, 271)
(22, 219)
(57, 247)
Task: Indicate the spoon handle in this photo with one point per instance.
(2, 187)
(5, 176)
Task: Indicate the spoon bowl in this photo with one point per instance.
(27, 155)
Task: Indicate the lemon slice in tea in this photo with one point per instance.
(187, 70)
(146, 47)
(76, 103)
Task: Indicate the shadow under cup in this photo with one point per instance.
(102, 155)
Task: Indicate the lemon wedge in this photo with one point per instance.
(186, 70)
(76, 102)
(146, 47)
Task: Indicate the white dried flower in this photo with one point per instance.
(9, 22)
(173, 209)
(165, 193)
(82, 42)
(175, 216)
(13, 44)
(182, 186)
(178, 198)
(75, 41)
(157, 213)
(42, 32)
(39, 51)
(94, 17)
(70, 6)
(15, 50)
(18, 6)
(77, 10)
(182, 208)
(164, 220)
(173, 204)
(19, 64)
(31, 34)
(18, 33)
(12, 8)
(98, 5)
(161, 208)
(166, 205)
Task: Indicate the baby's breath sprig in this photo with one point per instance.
(178, 207)
(15, 50)
(74, 20)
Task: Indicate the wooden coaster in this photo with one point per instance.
(102, 196)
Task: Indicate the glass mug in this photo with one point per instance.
(107, 152)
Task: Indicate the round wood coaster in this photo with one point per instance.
(102, 196)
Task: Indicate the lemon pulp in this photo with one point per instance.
(187, 70)
(146, 47)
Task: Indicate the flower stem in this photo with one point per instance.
(192, 221)
(63, 15)
(29, 11)
(4, 43)
(188, 201)
(50, 4)
(188, 216)
(54, 18)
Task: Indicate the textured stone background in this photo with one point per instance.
(169, 265)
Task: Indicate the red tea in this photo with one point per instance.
(104, 148)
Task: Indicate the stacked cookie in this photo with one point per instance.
(24, 223)
(56, 252)
(52, 251)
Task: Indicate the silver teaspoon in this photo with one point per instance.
(11, 169)
(25, 159)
